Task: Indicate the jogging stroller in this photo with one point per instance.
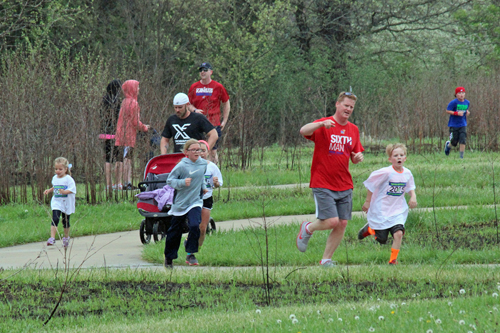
(156, 222)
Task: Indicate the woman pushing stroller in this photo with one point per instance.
(188, 180)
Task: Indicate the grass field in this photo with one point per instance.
(448, 279)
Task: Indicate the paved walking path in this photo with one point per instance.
(116, 250)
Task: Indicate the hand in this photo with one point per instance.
(366, 206)
(148, 127)
(216, 181)
(205, 190)
(328, 123)
(188, 181)
(222, 125)
(461, 113)
(46, 192)
(199, 111)
(357, 157)
(412, 203)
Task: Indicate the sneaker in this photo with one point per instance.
(303, 237)
(51, 241)
(328, 264)
(65, 241)
(447, 148)
(191, 260)
(168, 264)
(363, 232)
(393, 262)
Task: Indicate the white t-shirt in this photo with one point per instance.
(388, 206)
(212, 170)
(63, 202)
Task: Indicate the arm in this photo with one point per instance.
(212, 137)
(50, 190)
(356, 157)
(368, 200)
(174, 181)
(413, 199)
(65, 191)
(225, 113)
(309, 129)
(164, 145)
(457, 113)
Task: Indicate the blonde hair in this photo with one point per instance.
(190, 142)
(64, 162)
(344, 95)
(391, 147)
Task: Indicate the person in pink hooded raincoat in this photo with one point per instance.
(128, 123)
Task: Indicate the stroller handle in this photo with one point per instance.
(142, 185)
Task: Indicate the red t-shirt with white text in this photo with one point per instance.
(208, 98)
(332, 152)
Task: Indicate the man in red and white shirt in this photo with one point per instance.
(336, 141)
(206, 97)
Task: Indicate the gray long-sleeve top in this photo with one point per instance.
(187, 197)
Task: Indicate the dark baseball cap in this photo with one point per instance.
(205, 65)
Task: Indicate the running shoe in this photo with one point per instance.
(303, 237)
(168, 264)
(328, 264)
(65, 241)
(191, 260)
(393, 262)
(363, 232)
(447, 148)
(51, 241)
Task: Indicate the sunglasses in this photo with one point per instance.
(349, 94)
(204, 70)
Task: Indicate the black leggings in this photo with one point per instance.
(56, 215)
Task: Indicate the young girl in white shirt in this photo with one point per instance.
(63, 200)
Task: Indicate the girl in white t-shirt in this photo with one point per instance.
(385, 203)
(63, 200)
(213, 179)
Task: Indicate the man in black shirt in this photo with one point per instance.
(185, 125)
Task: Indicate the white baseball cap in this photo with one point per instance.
(181, 99)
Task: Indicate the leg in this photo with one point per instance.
(213, 156)
(107, 167)
(335, 237)
(119, 173)
(127, 171)
(205, 217)
(174, 235)
(398, 238)
(194, 218)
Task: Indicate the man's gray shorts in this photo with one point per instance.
(332, 203)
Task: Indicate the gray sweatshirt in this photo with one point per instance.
(187, 197)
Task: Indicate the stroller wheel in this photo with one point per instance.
(211, 226)
(158, 235)
(145, 236)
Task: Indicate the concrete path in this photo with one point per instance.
(116, 250)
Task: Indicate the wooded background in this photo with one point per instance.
(282, 62)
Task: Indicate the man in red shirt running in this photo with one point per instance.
(336, 140)
(206, 97)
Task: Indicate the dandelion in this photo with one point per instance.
(472, 326)
(393, 306)
(381, 318)
(462, 291)
(462, 322)
(318, 312)
(498, 287)
(356, 317)
(372, 308)
(25, 210)
(330, 320)
(278, 322)
(491, 312)
(461, 311)
(420, 319)
(494, 295)
(403, 304)
(438, 321)
(450, 303)
(392, 312)
(429, 331)
(371, 329)
(340, 319)
(292, 316)
(495, 308)
(431, 315)
(258, 311)
(295, 321)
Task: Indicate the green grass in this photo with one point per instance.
(409, 298)
(465, 236)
